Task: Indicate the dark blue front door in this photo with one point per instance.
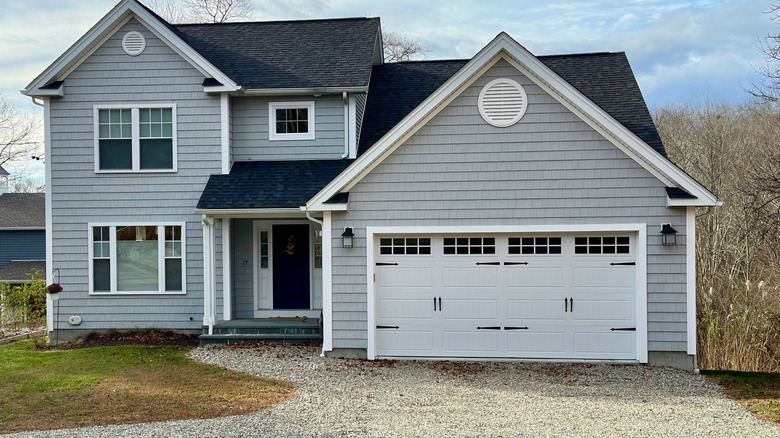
(291, 266)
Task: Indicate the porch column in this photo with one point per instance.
(209, 299)
(227, 263)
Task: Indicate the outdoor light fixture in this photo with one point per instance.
(669, 235)
(346, 237)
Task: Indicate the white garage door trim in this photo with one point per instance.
(641, 265)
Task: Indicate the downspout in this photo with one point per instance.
(36, 102)
(346, 127)
(316, 221)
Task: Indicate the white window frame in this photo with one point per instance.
(273, 106)
(136, 136)
(160, 257)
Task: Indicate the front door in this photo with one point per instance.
(291, 266)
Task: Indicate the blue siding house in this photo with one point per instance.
(217, 177)
(22, 236)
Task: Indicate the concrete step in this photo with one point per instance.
(271, 330)
(271, 337)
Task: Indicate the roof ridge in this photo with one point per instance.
(581, 54)
(307, 20)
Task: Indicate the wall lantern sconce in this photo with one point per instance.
(669, 235)
(347, 237)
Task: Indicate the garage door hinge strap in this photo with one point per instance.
(489, 263)
(386, 264)
(489, 328)
(623, 264)
(515, 328)
(514, 263)
(623, 329)
(387, 327)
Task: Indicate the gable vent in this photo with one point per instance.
(502, 102)
(133, 43)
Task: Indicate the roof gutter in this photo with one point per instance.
(303, 91)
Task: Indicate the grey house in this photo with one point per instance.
(217, 177)
(22, 236)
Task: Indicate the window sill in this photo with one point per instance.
(287, 137)
(138, 171)
(104, 294)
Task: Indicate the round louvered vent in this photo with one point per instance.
(502, 102)
(133, 43)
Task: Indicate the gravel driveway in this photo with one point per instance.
(449, 399)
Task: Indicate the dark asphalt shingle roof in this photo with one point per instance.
(16, 271)
(22, 210)
(288, 54)
(269, 184)
(395, 90)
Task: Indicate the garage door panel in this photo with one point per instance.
(471, 342)
(589, 345)
(469, 277)
(408, 308)
(469, 309)
(604, 310)
(406, 342)
(607, 277)
(534, 277)
(535, 309)
(536, 344)
(403, 277)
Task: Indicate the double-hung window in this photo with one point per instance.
(291, 121)
(135, 138)
(134, 259)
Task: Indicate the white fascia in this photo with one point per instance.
(104, 29)
(504, 47)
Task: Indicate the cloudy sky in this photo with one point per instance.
(679, 49)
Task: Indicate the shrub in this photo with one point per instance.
(24, 306)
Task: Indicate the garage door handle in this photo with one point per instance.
(623, 329)
(387, 327)
(515, 263)
(439, 304)
(623, 264)
(515, 328)
(565, 305)
(387, 264)
(489, 328)
(489, 263)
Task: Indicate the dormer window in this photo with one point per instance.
(291, 121)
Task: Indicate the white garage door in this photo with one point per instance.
(558, 296)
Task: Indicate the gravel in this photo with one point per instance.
(338, 397)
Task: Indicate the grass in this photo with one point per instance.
(758, 392)
(119, 385)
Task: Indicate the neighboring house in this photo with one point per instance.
(22, 236)
(503, 206)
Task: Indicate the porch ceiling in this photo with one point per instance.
(269, 184)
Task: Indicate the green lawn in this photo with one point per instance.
(759, 392)
(120, 384)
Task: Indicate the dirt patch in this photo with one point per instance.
(136, 337)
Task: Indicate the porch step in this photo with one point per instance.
(236, 338)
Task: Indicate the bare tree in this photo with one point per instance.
(400, 47)
(27, 185)
(18, 135)
(202, 11)
(767, 86)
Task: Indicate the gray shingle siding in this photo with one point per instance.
(550, 168)
(80, 196)
(250, 131)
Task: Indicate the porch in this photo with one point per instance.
(293, 330)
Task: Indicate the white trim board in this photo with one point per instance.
(641, 265)
(690, 273)
(105, 28)
(504, 47)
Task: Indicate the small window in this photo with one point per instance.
(602, 245)
(264, 249)
(469, 245)
(318, 249)
(132, 139)
(534, 245)
(405, 246)
(291, 121)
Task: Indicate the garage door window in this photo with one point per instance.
(534, 245)
(602, 245)
(405, 246)
(469, 245)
